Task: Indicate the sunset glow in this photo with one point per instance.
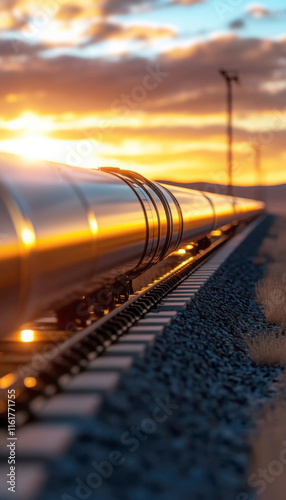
(136, 85)
(27, 335)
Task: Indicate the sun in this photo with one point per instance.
(33, 147)
(30, 147)
(31, 138)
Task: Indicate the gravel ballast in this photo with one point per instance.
(178, 425)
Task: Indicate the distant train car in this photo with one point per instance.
(66, 232)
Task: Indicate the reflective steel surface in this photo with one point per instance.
(65, 232)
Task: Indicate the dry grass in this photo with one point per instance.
(268, 468)
(271, 294)
(268, 348)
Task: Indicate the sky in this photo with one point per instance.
(135, 84)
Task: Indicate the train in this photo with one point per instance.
(67, 231)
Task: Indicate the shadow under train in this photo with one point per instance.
(66, 232)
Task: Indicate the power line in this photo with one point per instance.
(230, 77)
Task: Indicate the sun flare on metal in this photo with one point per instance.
(27, 336)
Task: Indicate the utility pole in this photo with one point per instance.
(230, 78)
(258, 170)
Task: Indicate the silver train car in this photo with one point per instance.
(66, 232)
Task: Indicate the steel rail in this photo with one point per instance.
(72, 356)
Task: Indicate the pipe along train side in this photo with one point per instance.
(68, 232)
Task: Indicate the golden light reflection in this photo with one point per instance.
(27, 335)
(181, 251)
(92, 223)
(189, 247)
(7, 380)
(216, 233)
(28, 236)
(30, 382)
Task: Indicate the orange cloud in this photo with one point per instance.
(69, 12)
(105, 30)
(193, 86)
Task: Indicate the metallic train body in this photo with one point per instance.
(65, 231)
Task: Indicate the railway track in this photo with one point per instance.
(40, 369)
(74, 374)
(73, 241)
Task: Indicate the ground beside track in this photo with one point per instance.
(199, 450)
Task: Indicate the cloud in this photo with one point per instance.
(237, 24)
(187, 2)
(69, 12)
(12, 18)
(74, 84)
(17, 14)
(8, 4)
(159, 134)
(105, 30)
(110, 7)
(93, 27)
(258, 10)
(16, 46)
(125, 6)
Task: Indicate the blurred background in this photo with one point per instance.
(135, 84)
